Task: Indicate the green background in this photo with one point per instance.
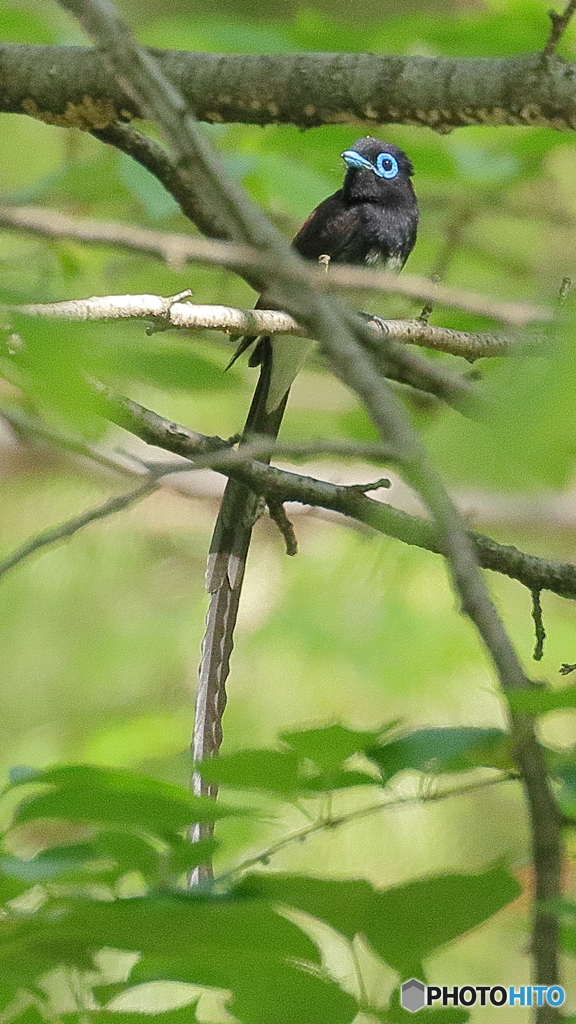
(100, 637)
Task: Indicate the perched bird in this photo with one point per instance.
(372, 220)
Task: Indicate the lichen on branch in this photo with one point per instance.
(70, 86)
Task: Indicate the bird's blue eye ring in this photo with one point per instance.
(386, 165)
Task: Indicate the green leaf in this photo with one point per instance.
(52, 362)
(9, 988)
(232, 942)
(160, 362)
(30, 1015)
(276, 771)
(444, 750)
(566, 911)
(155, 201)
(12, 883)
(183, 855)
(117, 797)
(538, 701)
(324, 782)
(566, 772)
(129, 852)
(110, 854)
(404, 924)
(524, 440)
(31, 946)
(331, 746)
(23, 773)
(59, 862)
(181, 1015)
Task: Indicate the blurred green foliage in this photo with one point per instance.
(96, 857)
(99, 637)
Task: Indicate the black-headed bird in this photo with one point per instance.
(371, 221)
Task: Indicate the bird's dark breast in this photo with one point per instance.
(357, 232)
(391, 231)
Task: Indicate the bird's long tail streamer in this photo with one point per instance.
(224, 576)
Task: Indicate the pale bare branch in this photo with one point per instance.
(171, 312)
(180, 249)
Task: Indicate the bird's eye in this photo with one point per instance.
(386, 165)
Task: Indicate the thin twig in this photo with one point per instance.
(559, 25)
(334, 822)
(66, 530)
(564, 290)
(31, 429)
(406, 367)
(428, 307)
(460, 219)
(278, 515)
(155, 477)
(453, 231)
(539, 630)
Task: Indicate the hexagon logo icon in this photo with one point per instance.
(413, 995)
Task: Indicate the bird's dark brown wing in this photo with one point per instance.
(330, 230)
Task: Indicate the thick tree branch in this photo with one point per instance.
(71, 87)
(533, 572)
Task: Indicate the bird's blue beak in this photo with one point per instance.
(353, 159)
